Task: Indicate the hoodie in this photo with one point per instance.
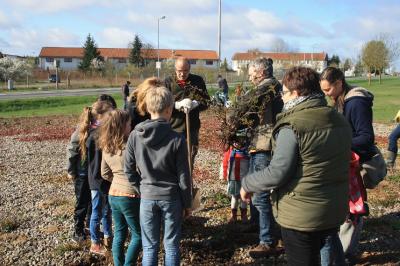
(158, 155)
(358, 112)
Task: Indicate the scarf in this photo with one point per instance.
(292, 103)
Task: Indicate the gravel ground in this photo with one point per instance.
(36, 205)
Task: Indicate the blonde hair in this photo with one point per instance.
(139, 94)
(89, 115)
(111, 135)
(159, 99)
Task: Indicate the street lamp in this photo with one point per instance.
(158, 65)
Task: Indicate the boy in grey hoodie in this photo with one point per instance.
(158, 156)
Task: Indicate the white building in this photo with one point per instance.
(70, 57)
(318, 61)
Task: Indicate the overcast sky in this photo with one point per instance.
(336, 27)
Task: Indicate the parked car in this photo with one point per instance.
(53, 77)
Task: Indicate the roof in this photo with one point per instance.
(77, 52)
(280, 56)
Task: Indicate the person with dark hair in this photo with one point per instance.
(223, 85)
(308, 173)
(125, 93)
(108, 98)
(355, 103)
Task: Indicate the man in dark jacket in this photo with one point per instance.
(262, 103)
(184, 86)
(125, 93)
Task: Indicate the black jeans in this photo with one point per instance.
(303, 248)
(82, 204)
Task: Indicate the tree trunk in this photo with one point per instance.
(380, 77)
(369, 77)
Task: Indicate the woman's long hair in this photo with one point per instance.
(112, 131)
(88, 117)
(333, 74)
(139, 94)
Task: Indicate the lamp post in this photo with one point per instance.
(158, 65)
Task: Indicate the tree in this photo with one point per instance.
(347, 64)
(279, 46)
(224, 66)
(148, 52)
(13, 69)
(1, 55)
(90, 52)
(375, 56)
(334, 61)
(135, 56)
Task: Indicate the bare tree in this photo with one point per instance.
(279, 46)
(392, 45)
(148, 53)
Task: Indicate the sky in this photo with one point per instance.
(335, 27)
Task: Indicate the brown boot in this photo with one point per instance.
(108, 242)
(233, 218)
(243, 215)
(261, 251)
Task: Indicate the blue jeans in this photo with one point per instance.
(100, 211)
(125, 213)
(153, 215)
(332, 251)
(393, 137)
(261, 201)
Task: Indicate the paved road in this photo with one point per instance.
(55, 93)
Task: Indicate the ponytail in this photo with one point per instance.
(84, 126)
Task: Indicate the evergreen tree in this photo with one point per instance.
(334, 61)
(90, 52)
(224, 65)
(135, 56)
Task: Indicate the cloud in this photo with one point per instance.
(115, 37)
(27, 41)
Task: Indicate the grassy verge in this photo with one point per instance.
(48, 106)
(386, 102)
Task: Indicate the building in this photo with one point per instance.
(70, 57)
(318, 61)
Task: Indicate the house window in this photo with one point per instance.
(122, 60)
(49, 59)
(192, 61)
(68, 59)
(209, 62)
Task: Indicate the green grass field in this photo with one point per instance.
(387, 97)
(386, 102)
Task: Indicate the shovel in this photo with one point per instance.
(196, 194)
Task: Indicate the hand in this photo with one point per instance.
(183, 104)
(246, 196)
(186, 213)
(71, 177)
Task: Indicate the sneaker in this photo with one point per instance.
(262, 250)
(78, 237)
(98, 249)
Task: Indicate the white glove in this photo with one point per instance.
(183, 104)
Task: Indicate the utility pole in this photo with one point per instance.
(219, 33)
(158, 64)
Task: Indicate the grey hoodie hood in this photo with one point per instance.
(153, 131)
